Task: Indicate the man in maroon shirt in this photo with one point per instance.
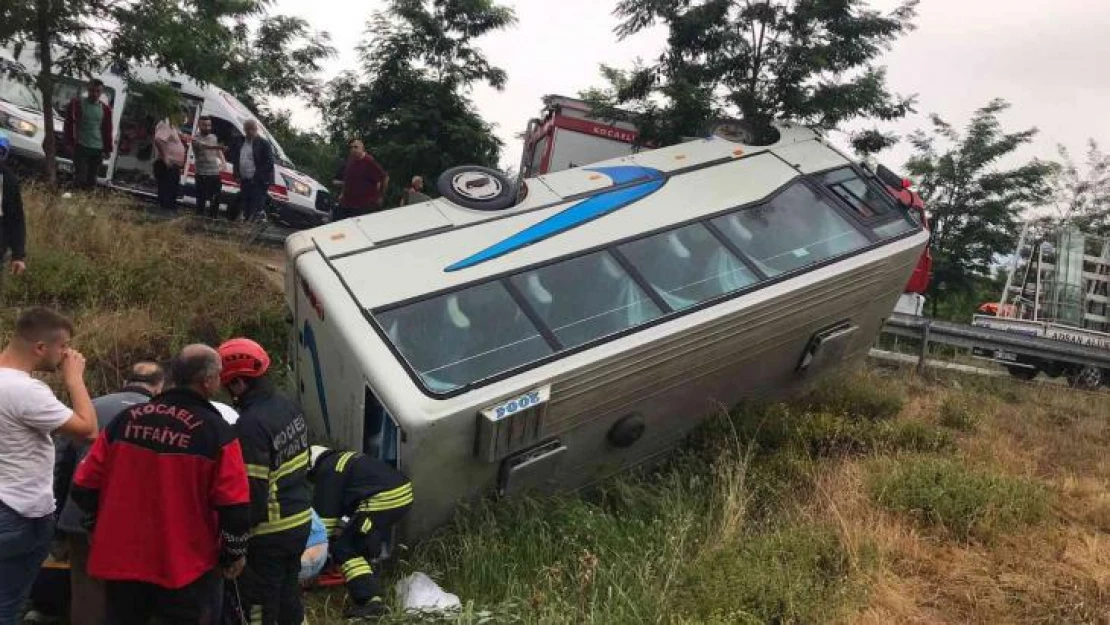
(364, 183)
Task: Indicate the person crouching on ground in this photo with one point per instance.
(375, 496)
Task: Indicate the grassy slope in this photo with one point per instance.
(134, 289)
(881, 498)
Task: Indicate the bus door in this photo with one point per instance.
(380, 432)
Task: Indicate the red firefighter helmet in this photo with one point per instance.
(242, 358)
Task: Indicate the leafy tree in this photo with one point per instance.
(974, 203)
(410, 103)
(281, 57)
(1082, 197)
(207, 40)
(809, 61)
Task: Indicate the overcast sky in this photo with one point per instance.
(1048, 58)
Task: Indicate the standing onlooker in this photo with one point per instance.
(88, 133)
(364, 183)
(170, 158)
(87, 603)
(208, 156)
(166, 492)
(13, 228)
(274, 437)
(29, 412)
(252, 157)
(414, 194)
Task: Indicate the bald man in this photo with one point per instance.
(144, 380)
(165, 492)
(252, 158)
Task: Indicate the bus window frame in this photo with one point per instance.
(812, 180)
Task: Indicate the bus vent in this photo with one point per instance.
(512, 425)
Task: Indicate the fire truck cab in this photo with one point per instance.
(567, 136)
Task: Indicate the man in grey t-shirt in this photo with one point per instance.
(208, 156)
(87, 603)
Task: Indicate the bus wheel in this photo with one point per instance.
(744, 132)
(478, 188)
(1087, 378)
(1022, 373)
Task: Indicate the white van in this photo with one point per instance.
(548, 343)
(300, 200)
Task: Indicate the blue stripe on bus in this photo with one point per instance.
(308, 338)
(583, 212)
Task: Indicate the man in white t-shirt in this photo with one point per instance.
(29, 413)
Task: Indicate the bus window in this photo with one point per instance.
(869, 201)
(687, 266)
(585, 298)
(462, 337)
(794, 229)
(863, 199)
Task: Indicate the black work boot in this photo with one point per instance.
(370, 610)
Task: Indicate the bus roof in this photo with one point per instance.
(431, 239)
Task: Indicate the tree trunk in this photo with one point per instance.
(45, 84)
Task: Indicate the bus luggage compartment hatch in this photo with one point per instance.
(530, 468)
(826, 348)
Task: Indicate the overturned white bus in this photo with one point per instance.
(483, 343)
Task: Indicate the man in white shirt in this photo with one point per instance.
(29, 413)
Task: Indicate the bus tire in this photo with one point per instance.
(1022, 373)
(477, 188)
(744, 132)
(1087, 378)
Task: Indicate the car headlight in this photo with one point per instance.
(296, 186)
(18, 124)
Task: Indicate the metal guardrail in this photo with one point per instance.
(967, 336)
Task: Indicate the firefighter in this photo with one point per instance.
(274, 437)
(373, 496)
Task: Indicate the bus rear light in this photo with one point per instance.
(312, 300)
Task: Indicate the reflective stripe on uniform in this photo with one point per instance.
(273, 506)
(273, 527)
(344, 458)
(388, 500)
(256, 615)
(258, 472)
(356, 567)
(290, 467)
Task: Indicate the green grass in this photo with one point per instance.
(963, 503)
(865, 395)
(959, 412)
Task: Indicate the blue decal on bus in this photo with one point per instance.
(309, 341)
(583, 212)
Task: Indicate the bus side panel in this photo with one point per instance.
(329, 382)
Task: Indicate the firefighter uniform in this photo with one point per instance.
(274, 438)
(374, 496)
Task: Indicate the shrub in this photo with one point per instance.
(963, 503)
(958, 413)
(863, 394)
